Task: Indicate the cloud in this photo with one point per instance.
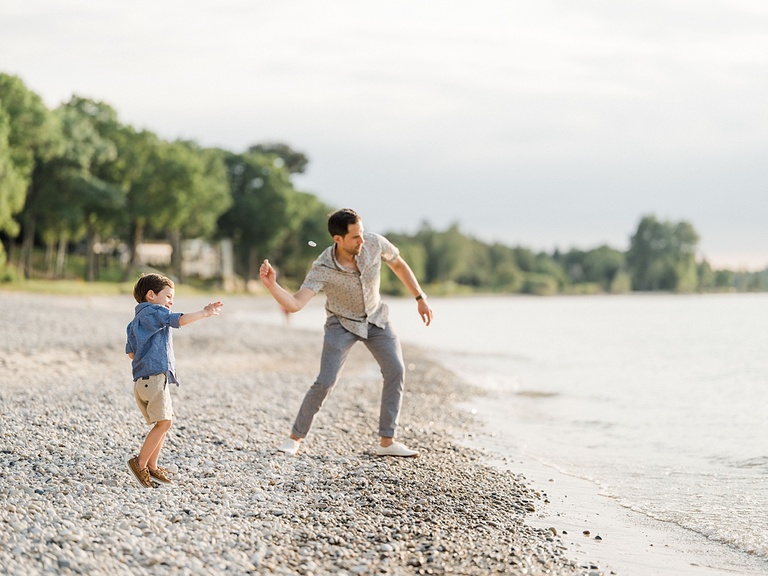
(546, 123)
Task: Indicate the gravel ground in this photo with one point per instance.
(68, 504)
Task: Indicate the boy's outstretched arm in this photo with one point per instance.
(211, 309)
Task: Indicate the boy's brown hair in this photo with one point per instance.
(147, 282)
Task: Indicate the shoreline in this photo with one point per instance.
(629, 541)
(70, 424)
(531, 434)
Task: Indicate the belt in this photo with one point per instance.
(151, 376)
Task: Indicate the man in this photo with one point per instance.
(349, 272)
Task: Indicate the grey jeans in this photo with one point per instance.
(385, 348)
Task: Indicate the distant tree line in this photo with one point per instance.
(661, 257)
(76, 181)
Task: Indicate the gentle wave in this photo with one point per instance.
(659, 401)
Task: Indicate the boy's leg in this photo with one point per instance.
(153, 396)
(336, 345)
(150, 451)
(154, 400)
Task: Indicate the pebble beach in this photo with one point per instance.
(68, 504)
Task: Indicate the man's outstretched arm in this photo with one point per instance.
(289, 302)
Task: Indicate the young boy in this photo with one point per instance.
(150, 348)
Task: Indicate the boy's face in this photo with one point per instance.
(163, 298)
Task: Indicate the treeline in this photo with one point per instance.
(80, 191)
(661, 257)
(77, 177)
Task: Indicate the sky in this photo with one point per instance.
(549, 124)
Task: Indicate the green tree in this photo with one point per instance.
(476, 270)
(137, 162)
(210, 194)
(414, 253)
(602, 265)
(207, 198)
(72, 201)
(661, 256)
(187, 191)
(506, 273)
(724, 279)
(13, 188)
(125, 173)
(174, 190)
(705, 276)
(294, 254)
(31, 135)
(599, 266)
(261, 216)
(448, 253)
(525, 258)
(547, 265)
(294, 161)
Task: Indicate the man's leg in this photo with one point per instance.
(336, 345)
(385, 347)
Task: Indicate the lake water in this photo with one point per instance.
(657, 400)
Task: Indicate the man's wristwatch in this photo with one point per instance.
(421, 296)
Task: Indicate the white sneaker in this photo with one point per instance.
(396, 449)
(290, 446)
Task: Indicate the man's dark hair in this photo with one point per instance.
(340, 221)
(147, 282)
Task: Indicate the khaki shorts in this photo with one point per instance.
(153, 396)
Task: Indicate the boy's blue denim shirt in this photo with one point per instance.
(149, 338)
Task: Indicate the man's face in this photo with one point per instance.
(352, 243)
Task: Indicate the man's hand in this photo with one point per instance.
(267, 274)
(289, 302)
(425, 311)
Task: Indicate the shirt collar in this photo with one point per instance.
(336, 262)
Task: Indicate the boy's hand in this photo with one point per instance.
(213, 309)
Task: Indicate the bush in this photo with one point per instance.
(539, 285)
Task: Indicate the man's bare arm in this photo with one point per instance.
(289, 302)
(408, 278)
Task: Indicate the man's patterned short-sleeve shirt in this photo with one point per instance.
(353, 297)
